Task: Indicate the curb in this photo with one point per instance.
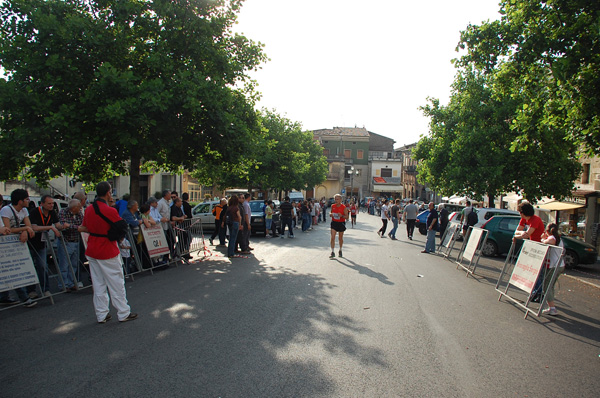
(582, 281)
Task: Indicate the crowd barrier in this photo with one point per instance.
(471, 249)
(529, 274)
(49, 270)
(449, 239)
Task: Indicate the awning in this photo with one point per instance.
(560, 206)
(456, 200)
(512, 198)
(388, 188)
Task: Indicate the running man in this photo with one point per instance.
(353, 213)
(339, 215)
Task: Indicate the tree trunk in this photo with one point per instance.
(134, 177)
(491, 204)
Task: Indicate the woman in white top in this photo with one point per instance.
(552, 237)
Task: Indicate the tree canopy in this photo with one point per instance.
(284, 157)
(96, 87)
(518, 113)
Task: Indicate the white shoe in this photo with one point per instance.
(550, 311)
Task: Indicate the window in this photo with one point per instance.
(347, 153)
(326, 151)
(203, 208)
(386, 172)
(585, 175)
(360, 154)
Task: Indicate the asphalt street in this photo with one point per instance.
(383, 321)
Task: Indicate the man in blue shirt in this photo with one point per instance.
(432, 227)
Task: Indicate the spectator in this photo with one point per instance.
(247, 221)
(432, 225)
(70, 219)
(286, 209)
(121, 204)
(534, 224)
(268, 217)
(384, 219)
(132, 217)
(552, 237)
(443, 220)
(233, 218)
(154, 213)
(410, 217)
(187, 208)
(15, 219)
(125, 249)
(305, 212)
(103, 256)
(164, 208)
(43, 220)
(395, 213)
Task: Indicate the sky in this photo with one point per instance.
(349, 63)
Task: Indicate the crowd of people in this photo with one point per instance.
(106, 257)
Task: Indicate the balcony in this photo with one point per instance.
(410, 169)
(333, 176)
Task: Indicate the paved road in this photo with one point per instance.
(290, 322)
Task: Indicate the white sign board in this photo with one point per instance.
(16, 266)
(450, 232)
(529, 264)
(155, 240)
(474, 238)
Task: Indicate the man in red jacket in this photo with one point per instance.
(103, 257)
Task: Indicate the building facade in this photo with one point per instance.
(347, 151)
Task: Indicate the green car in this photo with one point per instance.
(502, 228)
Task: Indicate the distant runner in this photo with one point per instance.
(353, 213)
(339, 215)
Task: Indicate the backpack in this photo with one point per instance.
(116, 231)
(472, 218)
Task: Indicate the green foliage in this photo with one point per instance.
(91, 85)
(549, 54)
(523, 102)
(281, 157)
(474, 149)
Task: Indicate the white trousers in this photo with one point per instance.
(107, 277)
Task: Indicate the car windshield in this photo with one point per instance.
(257, 206)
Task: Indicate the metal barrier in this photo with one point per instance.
(189, 238)
(449, 238)
(533, 268)
(471, 249)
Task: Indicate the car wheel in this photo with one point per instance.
(571, 259)
(423, 229)
(489, 249)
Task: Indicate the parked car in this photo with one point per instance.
(204, 212)
(421, 222)
(257, 220)
(502, 228)
(485, 213)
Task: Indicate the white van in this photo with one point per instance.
(296, 196)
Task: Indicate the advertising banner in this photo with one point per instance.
(155, 240)
(474, 238)
(16, 266)
(528, 265)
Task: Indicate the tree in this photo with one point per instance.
(97, 87)
(473, 147)
(284, 157)
(548, 53)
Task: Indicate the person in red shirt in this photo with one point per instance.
(103, 256)
(535, 225)
(353, 213)
(339, 215)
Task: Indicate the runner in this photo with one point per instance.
(353, 213)
(339, 215)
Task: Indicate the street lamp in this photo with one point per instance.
(351, 173)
